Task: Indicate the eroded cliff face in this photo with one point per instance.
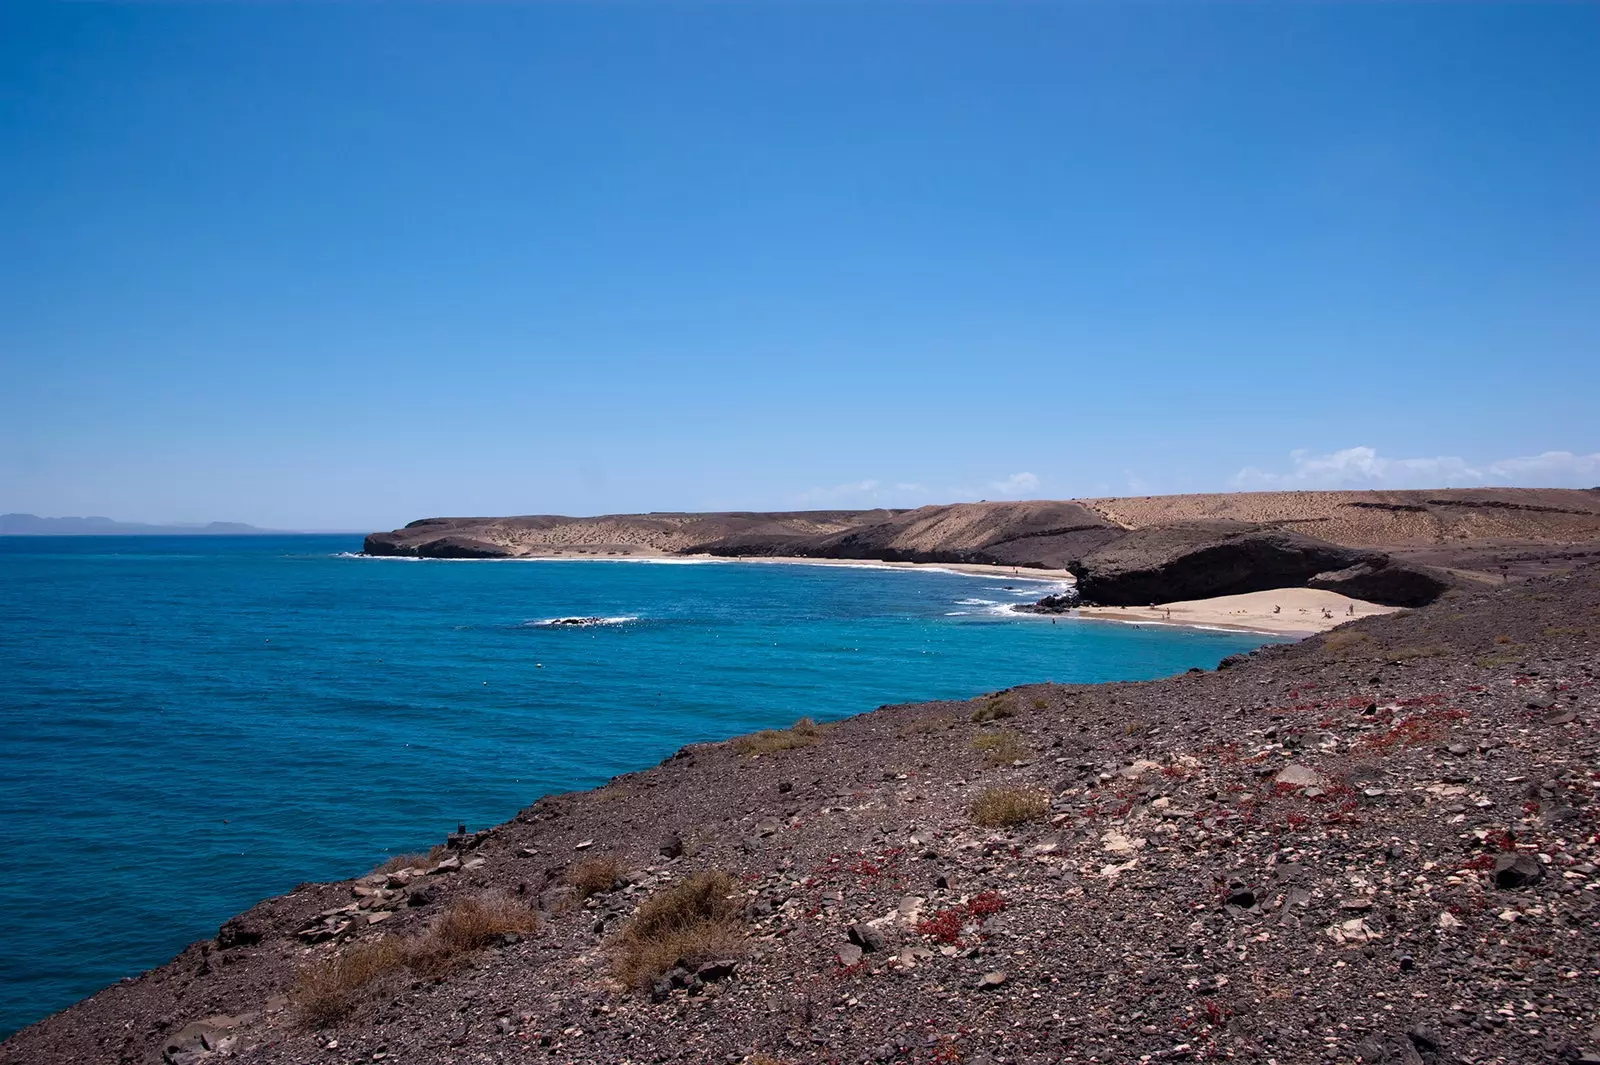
(1397, 548)
(1199, 560)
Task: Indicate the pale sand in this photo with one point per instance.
(1022, 573)
(1302, 612)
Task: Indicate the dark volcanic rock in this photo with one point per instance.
(1197, 560)
(1060, 603)
(451, 545)
(1390, 582)
(460, 547)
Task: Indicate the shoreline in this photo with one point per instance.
(850, 805)
(1303, 611)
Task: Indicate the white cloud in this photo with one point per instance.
(871, 492)
(1363, 467)
(1553, 467)
(854, 490)
(1018, 484)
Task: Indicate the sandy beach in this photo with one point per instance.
(1299, 612)
(1049, 576)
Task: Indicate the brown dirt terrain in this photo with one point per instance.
(1470, 529)
(1377, 845)
(1491, 533)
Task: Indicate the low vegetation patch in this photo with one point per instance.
(417, 861)
(802, 733)
(1000, 748)
(1344, 641)
(1005, 807)
(1406, 654)
(594, 876)
(690, 923)
(330, 990)
(994, 708)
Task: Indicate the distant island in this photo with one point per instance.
(33, 525)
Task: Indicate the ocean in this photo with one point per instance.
(191, 724)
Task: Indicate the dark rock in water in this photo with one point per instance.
(1389, 582)
(1057, 603)
(1516, 871)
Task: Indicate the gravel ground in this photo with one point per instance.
(1378, 845)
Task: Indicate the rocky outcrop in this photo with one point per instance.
(1389, 581)
(452, 546)
(1396, 548)
(1033, 534)
(1198, 560)
(1059, 603)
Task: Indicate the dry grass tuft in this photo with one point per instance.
(413, 861)
(927, 725)
(473, 923)
(1344, 640)
(802, 733)
(995, 708)
(1005, 807)
(1000, 748)
(1406, 654)
(594, 876)
(690, 923)
(330, 990)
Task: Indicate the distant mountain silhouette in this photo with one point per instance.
(33, 525)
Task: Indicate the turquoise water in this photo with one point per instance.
(191, 724)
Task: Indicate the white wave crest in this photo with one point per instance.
(579, 622)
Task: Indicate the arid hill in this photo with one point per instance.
(1381, 844)
(1401, 548)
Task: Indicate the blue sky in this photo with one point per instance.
(343, 266)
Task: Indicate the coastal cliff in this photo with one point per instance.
(1379, 844)
(1395, 548)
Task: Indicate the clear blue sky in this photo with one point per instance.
(344, 266)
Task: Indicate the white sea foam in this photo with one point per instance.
(975, 602)
(579, 622)
(957, 613)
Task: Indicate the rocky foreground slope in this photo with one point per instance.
(1378, 845)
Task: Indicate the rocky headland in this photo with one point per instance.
(1377, 845)
(1393, 548)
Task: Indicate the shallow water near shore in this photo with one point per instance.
(192, 724)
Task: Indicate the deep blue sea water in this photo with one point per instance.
(190, 724)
